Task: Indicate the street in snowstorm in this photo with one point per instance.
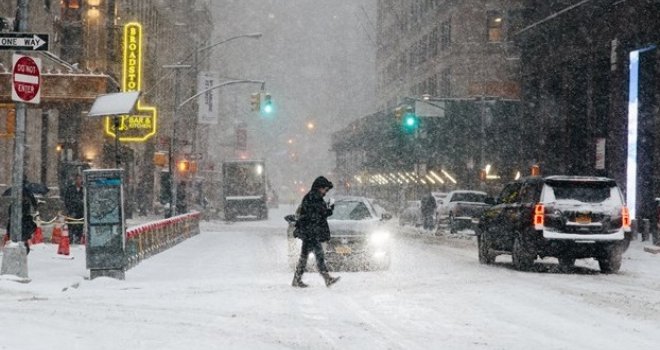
(363, 174)
(229, 287)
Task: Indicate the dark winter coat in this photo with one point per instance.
(428, 205)
(74, 202)
(27, 221)
(312, 223)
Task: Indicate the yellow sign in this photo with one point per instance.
(141, 126)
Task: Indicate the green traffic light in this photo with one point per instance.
(268, 108)
(410, 121)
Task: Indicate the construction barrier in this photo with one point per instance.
(152, 238)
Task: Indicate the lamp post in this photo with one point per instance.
(14, 259)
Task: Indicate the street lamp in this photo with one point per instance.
(250, 36)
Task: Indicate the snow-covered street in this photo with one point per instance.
(229, 287)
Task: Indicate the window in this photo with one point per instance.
(495, 24)
(531, 193)
(510, 194)
(471, 197)
(71, 4)
(433, 42)
(445, 35)
(445, 82)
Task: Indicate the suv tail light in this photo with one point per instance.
(625, 218)
(539, 216)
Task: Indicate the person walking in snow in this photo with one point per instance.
(28, 226)
(75, 208)
(312, 228)
(428, 209)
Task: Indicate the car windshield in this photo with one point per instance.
(582, 192)
(469, 197)
(350, 210)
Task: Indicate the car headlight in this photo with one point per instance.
(379, 237)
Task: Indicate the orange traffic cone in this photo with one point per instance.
(63, 247)
(57, 234)
(38, 236)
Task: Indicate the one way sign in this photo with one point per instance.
(24, 41)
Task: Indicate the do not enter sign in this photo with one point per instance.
(26, 79)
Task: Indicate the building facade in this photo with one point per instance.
(447, 49)
(591, 92)
(85, 60)
(460, 56)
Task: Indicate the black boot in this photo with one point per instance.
(329, 280)
(298, 283)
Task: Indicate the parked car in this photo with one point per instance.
(567, 217)
(461, 209)
(359, 237)
(412, 214)
(379, 206)
(440, 197)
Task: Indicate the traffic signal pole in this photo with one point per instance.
(14, 259)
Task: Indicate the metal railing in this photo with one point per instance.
(152, 238)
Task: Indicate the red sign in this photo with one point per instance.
(26, 79)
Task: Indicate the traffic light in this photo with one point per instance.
(183, 166)
(398, 113)
(268, 104)
(410, 120)
(255, 102)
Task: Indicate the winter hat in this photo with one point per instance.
(321, 182)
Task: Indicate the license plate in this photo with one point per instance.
(343, 250)
(583, 219)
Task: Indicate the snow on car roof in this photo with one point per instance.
(467, 191)
(578, 178)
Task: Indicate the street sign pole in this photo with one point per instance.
(14, 259)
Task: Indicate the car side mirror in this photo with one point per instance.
(490, 201)
(290, 218)
(386, 216)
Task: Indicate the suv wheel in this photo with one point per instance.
(483, 245)
(611, 261)
(523, 259)
(566, 263)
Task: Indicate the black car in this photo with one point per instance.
(567, 217)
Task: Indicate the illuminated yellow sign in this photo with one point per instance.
(141, 126)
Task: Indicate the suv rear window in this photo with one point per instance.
(582, 192)
(469, 197)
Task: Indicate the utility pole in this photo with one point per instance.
(172, 146)
(14, 259)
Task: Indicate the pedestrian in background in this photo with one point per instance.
(428, 209)
(312, 228)
(75, 208)
(28, 226)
